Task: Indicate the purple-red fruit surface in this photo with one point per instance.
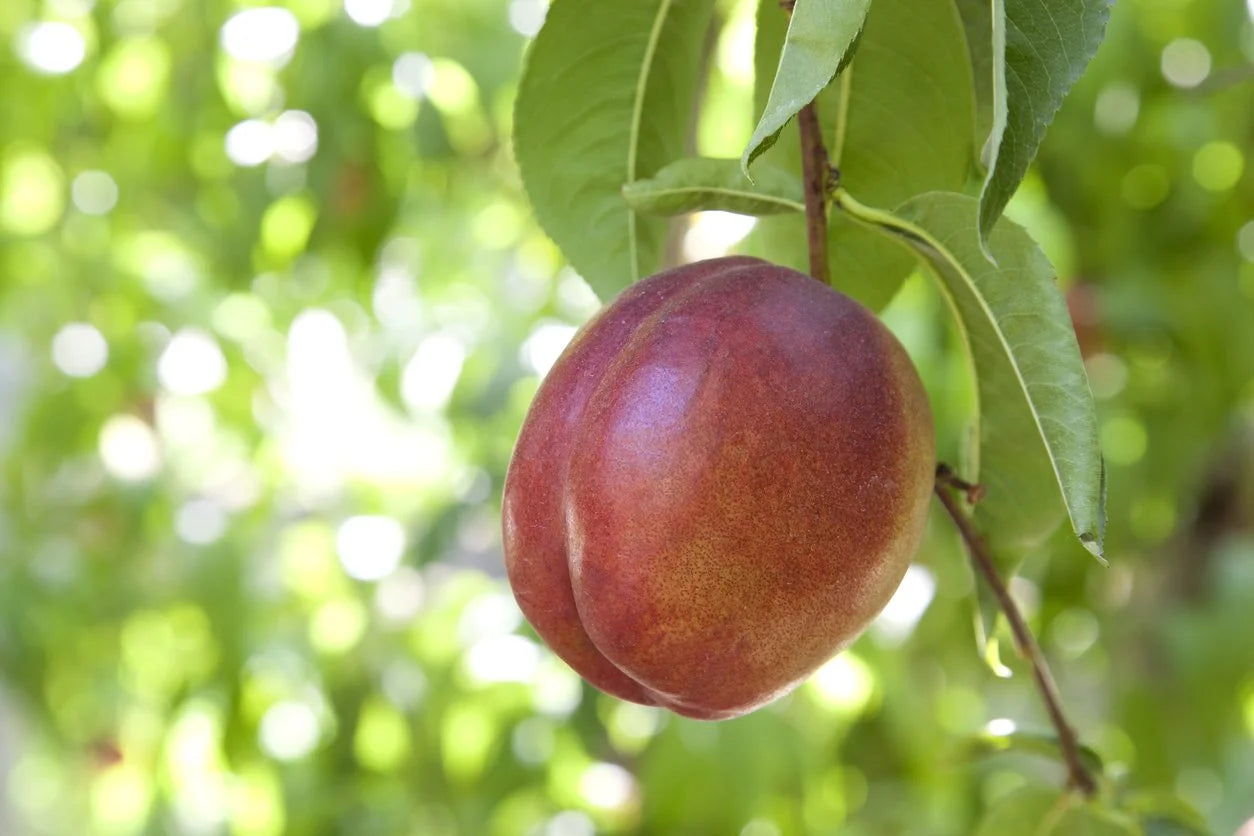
(719, 484)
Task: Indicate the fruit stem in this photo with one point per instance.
(1077, 774)
(817, 174)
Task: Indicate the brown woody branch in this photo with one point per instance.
(946, 483)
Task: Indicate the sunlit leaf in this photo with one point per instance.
(820, 36)
(890, 136)
(604, 101)
(701, 183)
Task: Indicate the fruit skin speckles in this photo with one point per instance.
(718, 486)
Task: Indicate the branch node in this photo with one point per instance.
(945, 475)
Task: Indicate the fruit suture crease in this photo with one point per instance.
(719, 484)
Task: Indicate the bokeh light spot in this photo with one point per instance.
(94, 192)
(527, 16)
(570, 823)
(381, 741)
(295, 136)
(192, 363)
(267, 35)
(1123, 440)
(289, 731)
(51, 47)
(250, 143)
(370, 547)
(713, 234)
(607, 786)
(79, 350)
(128, 448)
(429, 377)
(337, 626)
(760, 827)
(399, 596)
(1218, 166)
(1185, 62)
(544, 345)
(286, 226)
(120, 797)
(1117, 108)
(369, 13)
(507, 658)
(411, 73)
(390, 107)
(133, 77)
(1073, 631)
(1245, 241)
(32, 192)
(845, 684)
(200, 522)
(451, 88)
(903, 611)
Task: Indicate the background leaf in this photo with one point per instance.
(703, 183)
(891, 136)
(817, 44)
(1051, 811)
(605, 99)
(1047, 45)
(1038, 743)
(1024, 811)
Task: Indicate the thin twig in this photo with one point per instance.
(817, 174)
(1078, 774)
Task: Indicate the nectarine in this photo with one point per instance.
(719, 484)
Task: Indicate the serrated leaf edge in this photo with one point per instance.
(899, 228)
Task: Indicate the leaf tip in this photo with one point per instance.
(1093, 545)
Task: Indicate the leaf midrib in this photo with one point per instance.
(637, 119)
(876, 217)
(718, 190)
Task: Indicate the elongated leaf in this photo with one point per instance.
(1045, 745)
(1040, 49)
(898, 123)
(702, 183)
(1164, 813)
(820, 36)
(977, 18)
(1028, 811)
(604, 100)
(1037, 424)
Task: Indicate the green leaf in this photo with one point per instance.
(1027, 811)
(605, 99)
(1163, 813)
(1040, 49)
(1093, 819)
(818, 43)
(977, 19)
(892, 136)
(1050, 811)
(701, 183)
(1045, 745)
(1038, 439)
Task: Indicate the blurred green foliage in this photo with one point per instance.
(271, 311)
